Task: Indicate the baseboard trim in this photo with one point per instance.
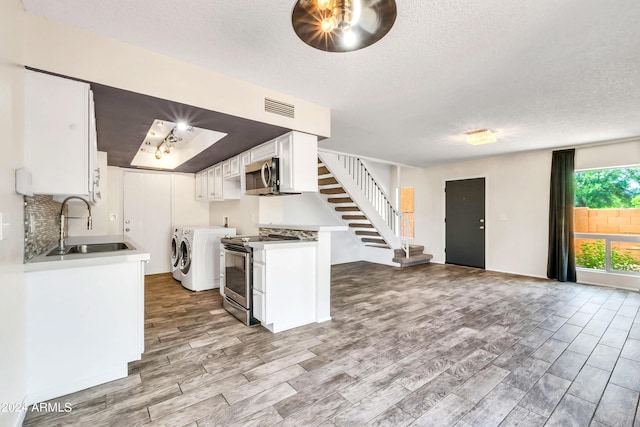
(324, 319)
(110, 374)
(518, 274)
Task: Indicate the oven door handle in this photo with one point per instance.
(234, 304)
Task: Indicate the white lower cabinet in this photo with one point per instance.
(85, 324)
(284, 285)
(258, 276)
(259, 285)
(258, 306)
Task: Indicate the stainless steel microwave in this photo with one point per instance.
(262, 178)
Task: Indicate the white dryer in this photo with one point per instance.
(176, 238)
(200, 256)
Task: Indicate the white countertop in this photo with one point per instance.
(307, 227)
(44, 262)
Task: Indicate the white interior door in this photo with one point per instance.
(147, 216)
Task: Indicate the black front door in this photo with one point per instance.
(465, 225)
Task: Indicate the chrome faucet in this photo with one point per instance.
(89, 220)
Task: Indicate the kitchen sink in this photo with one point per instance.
(91, 248)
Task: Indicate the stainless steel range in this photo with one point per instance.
(236, 285)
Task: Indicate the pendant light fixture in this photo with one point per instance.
(169, 141)
(343, 25)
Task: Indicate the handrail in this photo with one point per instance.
(395, 220)
(608, 238)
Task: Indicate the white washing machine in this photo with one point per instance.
(200, 256)
(176, 238)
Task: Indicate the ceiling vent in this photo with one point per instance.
(280, 108)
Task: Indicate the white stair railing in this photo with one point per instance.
(395, 220)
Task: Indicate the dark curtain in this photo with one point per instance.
(562, 261)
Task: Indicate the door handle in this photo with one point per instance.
(264, 179)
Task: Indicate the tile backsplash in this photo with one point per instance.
(43, 213)
(302, 234)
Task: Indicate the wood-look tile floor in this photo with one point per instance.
(432, 345)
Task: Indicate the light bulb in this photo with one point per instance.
(182, 126)
(158, 153)
(348, 37)
(324, 4)
(166, 149)
(328, 24)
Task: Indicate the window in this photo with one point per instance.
(607, 220)
(407, 207)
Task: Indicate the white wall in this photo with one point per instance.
(186, 211)
(248, 213)
(243, 214)
(311, 209)
(517, 208)
(608, 156)
(383, 173)
(13, 350)
(517, 202)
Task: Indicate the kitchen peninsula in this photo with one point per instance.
(322, 260)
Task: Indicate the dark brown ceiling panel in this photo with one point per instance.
(123, 119)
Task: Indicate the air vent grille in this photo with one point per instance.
(279, 107)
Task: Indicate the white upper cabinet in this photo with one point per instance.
(218, 184)
(298, 155)
(57, 135)
(298, 162)
(211, 184)
(201, 186)
(214, 182)
(245, 159)
(231, 167)
(264, 151)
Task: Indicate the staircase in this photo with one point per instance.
(357, 199)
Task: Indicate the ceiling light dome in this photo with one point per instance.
(343, 25)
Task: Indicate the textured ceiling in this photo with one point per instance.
(542, 73)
